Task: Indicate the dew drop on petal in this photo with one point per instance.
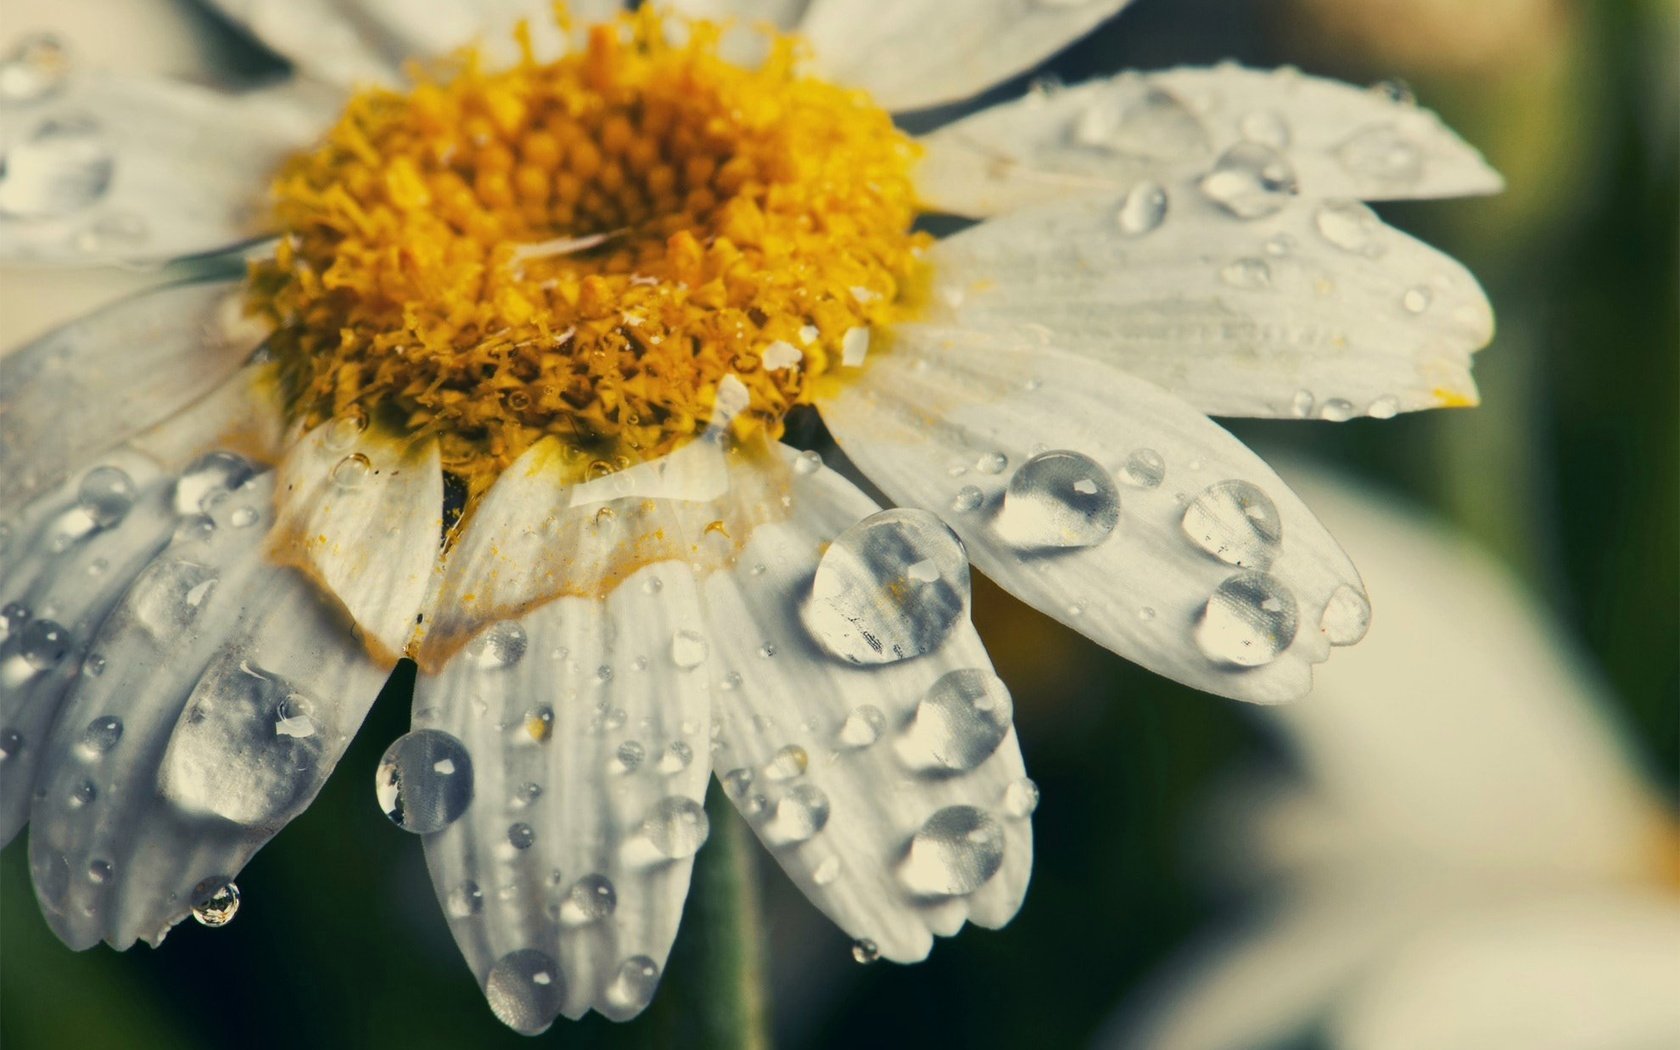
(1250, 273)
(1385, 407)
(991, 463)
(521, 835)
(1059, 499)
(1020, 798)
(1248, 621)
(689, 649)
(1346, 617)
(62, 166)
(1265, 126)
(788, 762)
(425, 781)
(632, 987)
(351, 471)
(590, 899)
(961, 720)
(799, 814)
(36, 67)
(208, 477)
(865, 951)
(465, 900)
(1382, 153)
(13, 615)
(1250, 181)
(1235, 522)
(1350, 226)
(525, 991)
(1145, 469)
(1417, 299)
(675, 758)
(1154, 124)
(216, 902)
(11, 743)
(629, 757)
(968, 498)
(101, 735)
(954, 853)
(99, 872)
(500, 645)
(106, 494)
(1336, 410)
(1142, 210)
(864, 608)
(676, 826)
(1302, 405)
(826, 871)
(82, 793)
(807, 463)
(43, 644)
(863, 726)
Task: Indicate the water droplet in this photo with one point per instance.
(99, 872)
(1382, 153)
(961, 720)
(807, 463)
(1146, 614)
(11, 742)
(1248, 272)
(1250, 181)
(590, 899)
(1248, 621)
(629, 756)
(525, 794)
(633, 986)
(863, 726)
(351, 471)
(1059, 499)
(36, 67)
(500, 645)
(62, 166)
(676, 758)
(217, 902)
(652, 585)
(1235, 522)
(538, 723)
(1346, 617)
(1020, 798)
(800, 814)
(1145, 469)
(521, 835)
(13, 615)
(676, 826)
(43, 644)
(1416, 300)
(991, 463)
(101, 735)
(863, 607)
(525, 991)
(689, 650)
(1303, 404)
(1265, 126)
(967, 498)
(737, 782)
(865, 951)
(1385, 407)
(1350, 226)
(956, 851)
(208, 477)
(827, 871)
(82, 793)
(465, 900)
(106, 494)
(1336, 410)
(787, 763)
(1143, 209)
(244, 517)
(425, 781)
(1153, 124)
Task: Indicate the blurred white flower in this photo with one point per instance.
(1468, 856)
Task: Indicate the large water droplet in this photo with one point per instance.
(425, 781)
(960, 721)
(525, 991)
(1250, 181)
(1249, 620)
(106, 494)
(38, 66)
(216, 902)
(1350, 226)
(1059, 499)
(799, 815)
(1237, 523)
(1153, 123)
(1381, 152)
(61, 167)
(44, 644)
(1347, 616)
(865, 604)
(676, 826)
(954, 853)
(1143, 209)
(632, 987)
(500, 645)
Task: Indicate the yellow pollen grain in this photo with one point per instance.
(586, 248)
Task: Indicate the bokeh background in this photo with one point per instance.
(1567, 473)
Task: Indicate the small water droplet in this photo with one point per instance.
(991, 463)
(99, 872)
(633, 986)
(676, 826)
(1382, 153)
(1059, 499)
(82, 793)
(799, 815)
(787, 763)
(43, 644)
(62, 166)
(1236, 522)
(500, 645)
(1146, 614)
(863, 607)
(1265, 126)
(954, 853)
(675, 758)
(13, 616)
(967, 498)
(1153, 123)
(424, 781)
(1336, 410)
(1020, 798)
(538, 723)
(1346, 617)
(807, 463)
(1385, 407)
(1416, 300)
(1143, 209)
(101, 735)
(525, 991)
(1248, 621)
(1395, 90)
(826, 871)
(465, 900)
(590, 899)
(1350, 226)
(521, 835)
(217, 902)
(106, 494)
(1145, 469)
(351, 471)
(863, 726)
(629, 756)
(961, 720)
(1250, 181)
(209, 477)
(865, 951)
(1250, 272)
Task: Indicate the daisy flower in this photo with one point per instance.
(503, 393)
(1466, 853)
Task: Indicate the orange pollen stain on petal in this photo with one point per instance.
(586, 248)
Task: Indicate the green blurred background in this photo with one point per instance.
(1567, 472)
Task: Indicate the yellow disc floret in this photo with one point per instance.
(586, 248)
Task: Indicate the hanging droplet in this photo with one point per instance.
(864, 605)
(1385, 407)
(1250, 181)
(43, 644)
(961, 720)
(1248, 622)
(1145, 469)
(1350, 226)
(106, 494)
(1143, 209)
(36, 67)
(61, 167)
(676, 826)
(1346, 617)
(689, 649)
(1236, 522)
(525, 991)
(865, 951)
(425, 781)
(1020, 798)
(863, 726)
(101, 735)
(633, 986)
(217, 902)
(956, 851)
(1059, 499)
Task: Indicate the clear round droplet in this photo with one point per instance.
(991, 463)
(351, 471)
(632, 987)
(862, 726)
(1385, 407)
(102, 734)
(689, 649)
(865, 951)
(1020, 798)
(465, 900)
(1153, 123)
(1346, 617)
(1059, 499)
(961, 720)
(425, 781)
(1143, 209)
(675, 758)
(13, 616)
(217, 902)
(954, 853)
(1236, 522)
(590, 899)
(82, 793)
(968, 498)
(106, 494)
(866, 607)
(677, 827)
(807, 463)
(629, 756)
(500, 645)
(1336, 410)
(1145, 469)
(99, 872)
(62, 166)
(244, 517)
(43, 644)
(1350, 226)
(521, 835)
(1302, 404)
(525, 991)
(826, 871)
(799, 814)
(1248, 621)
(1250, 181)
(788, 762)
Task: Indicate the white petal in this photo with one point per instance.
(565, 716)
(205, 656)
(917, 53)
(1570, 972)
(804, 734)
(947, 421)
(132, 168)
(783, 14)
(85, 387)
(362, 512)
(1102, 137)
(1319, 310)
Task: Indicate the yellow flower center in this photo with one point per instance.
(587, 248)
